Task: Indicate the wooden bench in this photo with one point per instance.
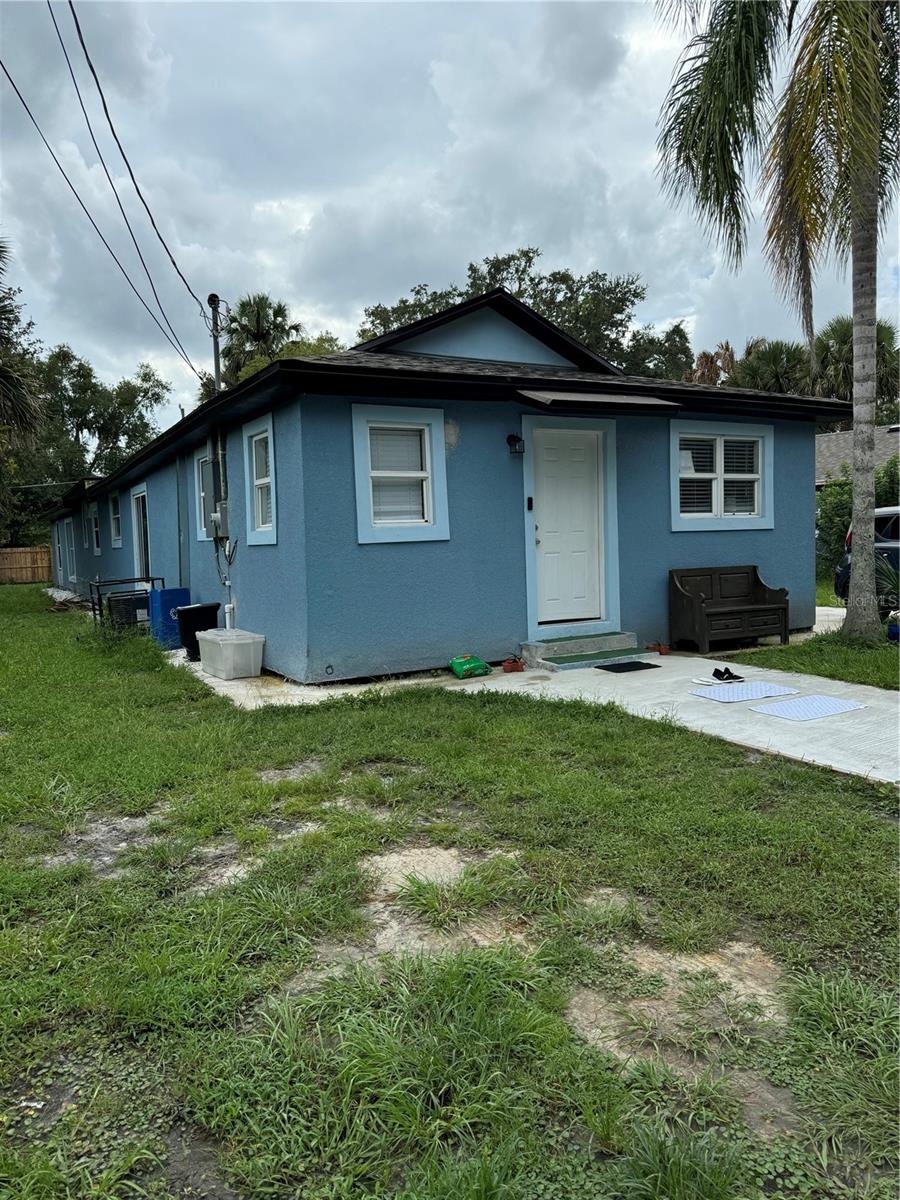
(718, 604)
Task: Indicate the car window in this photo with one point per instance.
(886, 528)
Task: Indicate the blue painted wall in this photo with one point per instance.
(379, 608)
(387, 607)
(649, 549)
(483, 334)
(331, 608)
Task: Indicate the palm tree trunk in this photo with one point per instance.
(862, 610)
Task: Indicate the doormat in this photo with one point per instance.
(621, 668)
(729, 693)
(808, 708)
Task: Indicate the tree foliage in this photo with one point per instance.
(835, 509)
(21, 410)
(88, 428)
(773, 365)
(596, 308)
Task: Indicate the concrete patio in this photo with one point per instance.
(863, 742)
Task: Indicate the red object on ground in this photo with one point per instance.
(513, 664)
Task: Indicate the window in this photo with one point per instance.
(94, 516)
(205, 503)
(399, 475)
(401, 486)
(115, 520)
(69, 533)
(85, 541)
(721, 476)
(259, 465)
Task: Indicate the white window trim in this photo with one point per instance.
(436, 526)
(205, 452)
(140, 490)
(60, 576)
(115, 539)
(85, 536)
(94, 519)
(71, 567)
(764, 518)
(267, 535)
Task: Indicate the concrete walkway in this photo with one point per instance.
(863, 742)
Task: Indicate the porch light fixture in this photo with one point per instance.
(516, 444)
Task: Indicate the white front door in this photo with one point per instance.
(567, 524)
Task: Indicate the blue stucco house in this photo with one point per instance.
(472, 482)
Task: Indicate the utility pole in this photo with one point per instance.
(213, 301)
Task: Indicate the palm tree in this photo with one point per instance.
(772, 365)
(21, 409)
(825, 152)
(834, 365)
(257, 327)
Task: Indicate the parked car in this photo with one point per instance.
(887, 548)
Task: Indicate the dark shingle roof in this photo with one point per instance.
(835, 449)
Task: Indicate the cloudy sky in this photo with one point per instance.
(336, 154)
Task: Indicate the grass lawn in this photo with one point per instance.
(830, 655)
(652, 965)
(825, 597)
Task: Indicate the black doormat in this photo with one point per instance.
(628, 666)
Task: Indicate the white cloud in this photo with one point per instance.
(337, 154)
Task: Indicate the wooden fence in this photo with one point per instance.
(25, 564)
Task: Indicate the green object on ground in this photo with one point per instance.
(465, 666)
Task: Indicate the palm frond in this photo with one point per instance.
(715, 116)
(796, 180)
(842, 99)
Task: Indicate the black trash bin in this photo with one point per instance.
(193, 619)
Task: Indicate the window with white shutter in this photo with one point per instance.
(720, 476)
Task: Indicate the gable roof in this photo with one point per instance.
(835, 449)
(506, 305)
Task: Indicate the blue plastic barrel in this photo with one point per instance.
(163, 621)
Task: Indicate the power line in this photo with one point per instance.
(109, 180)
(140, 194)
(86, 212)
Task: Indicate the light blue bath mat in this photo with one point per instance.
(729, 693)
(808, 708)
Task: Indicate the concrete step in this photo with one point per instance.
(569, 649)
(576, 662)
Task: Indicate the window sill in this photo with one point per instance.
(719, 524)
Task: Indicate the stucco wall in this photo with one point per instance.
(483, 334)
(268, 580)
(379, 608)
(382, 608)
(332, 608)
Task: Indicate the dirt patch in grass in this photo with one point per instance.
(750, 974)
(222, 863)
(768, 1110)
(385, 770)
(101, 842)
(358, 808)
(299, 770)
(437, 864)
(707, 999)
(192, 1166)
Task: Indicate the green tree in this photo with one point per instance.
(89, 428)
(772, 365)
(257, 327)
(322, 344)
(21, 411)
(835, 510)
(826, 143)
(596, 308)
(834, 366)
(658, 355)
